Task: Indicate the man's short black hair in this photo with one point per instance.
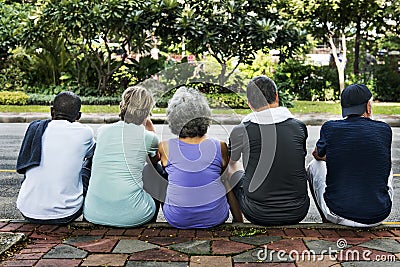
(261, 91)
(67, 104)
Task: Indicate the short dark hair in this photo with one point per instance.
(67, 104)
(188, 113)
(261, 91)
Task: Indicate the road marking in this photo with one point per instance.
(8, 171)
(391, 223)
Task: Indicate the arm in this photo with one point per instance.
(152, 148)
(232, 201)
(148, 125)
(163, 153)
(316, 156)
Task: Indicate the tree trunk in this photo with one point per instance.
(340, 63)
(221, 77)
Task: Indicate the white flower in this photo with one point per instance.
(252, 14)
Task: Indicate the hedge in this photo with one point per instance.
(216, 100)
(13, 98)
(39, 99)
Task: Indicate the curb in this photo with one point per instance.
(232, 225)
(312, 119)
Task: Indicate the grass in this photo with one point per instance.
(299, 107)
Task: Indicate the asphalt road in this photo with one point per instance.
(11, 135)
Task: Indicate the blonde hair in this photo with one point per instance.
(135, 105)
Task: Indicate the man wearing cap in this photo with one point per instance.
(351, 177)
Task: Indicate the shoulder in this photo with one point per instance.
(332, 123)
(150, 135)
(382, 124)
(297, 121)
(381, 127)
(82, 127)
(240, 128)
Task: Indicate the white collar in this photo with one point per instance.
(269, 116)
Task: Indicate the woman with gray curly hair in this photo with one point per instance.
(196, 196)
(115, 195)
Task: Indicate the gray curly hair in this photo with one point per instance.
(188, 113)
(135, 105)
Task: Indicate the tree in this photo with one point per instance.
(226, 30)
(12, 17)
(338, 21)
(96, 30)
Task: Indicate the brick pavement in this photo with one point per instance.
(239, 245)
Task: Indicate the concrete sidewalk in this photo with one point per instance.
(227, 119)
(244, 245)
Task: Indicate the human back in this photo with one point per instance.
(277, 160)
(116, 196)
(272, 186)
(196, 196)
(53, 189)
(357, 141)
(350, 177)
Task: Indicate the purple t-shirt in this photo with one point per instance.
(196, 197)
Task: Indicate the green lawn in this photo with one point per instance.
(299, 107)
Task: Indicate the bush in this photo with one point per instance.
(307, 82)
(387, 83)
(224, 100)
(39, 99)
(217, 96)
(13, 98)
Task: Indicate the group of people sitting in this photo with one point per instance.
(126, 175)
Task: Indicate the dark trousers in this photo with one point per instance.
(155, 182)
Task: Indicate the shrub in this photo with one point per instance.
(39, 99)
(387, 83)
(13, 98)
(308, 82)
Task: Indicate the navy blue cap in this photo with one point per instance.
(354, 98)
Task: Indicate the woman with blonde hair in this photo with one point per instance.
(115, 195)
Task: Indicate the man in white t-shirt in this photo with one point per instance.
(52, 157)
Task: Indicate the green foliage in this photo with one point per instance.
(12, 24)
(306, 81)
(12, 77)
(146, 67)
(217, 96)
(227, 100)
(13, 98)
(55, 89)
(387, 82)
(261, 65)
(225, 30)
(94, 31)
(40, 99)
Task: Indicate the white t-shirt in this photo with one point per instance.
(54, 190)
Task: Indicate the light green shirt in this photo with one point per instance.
(115, 195)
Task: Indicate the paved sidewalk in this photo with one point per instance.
(244, 245)
(227, 119)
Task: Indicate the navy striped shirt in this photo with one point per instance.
(358, 157)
